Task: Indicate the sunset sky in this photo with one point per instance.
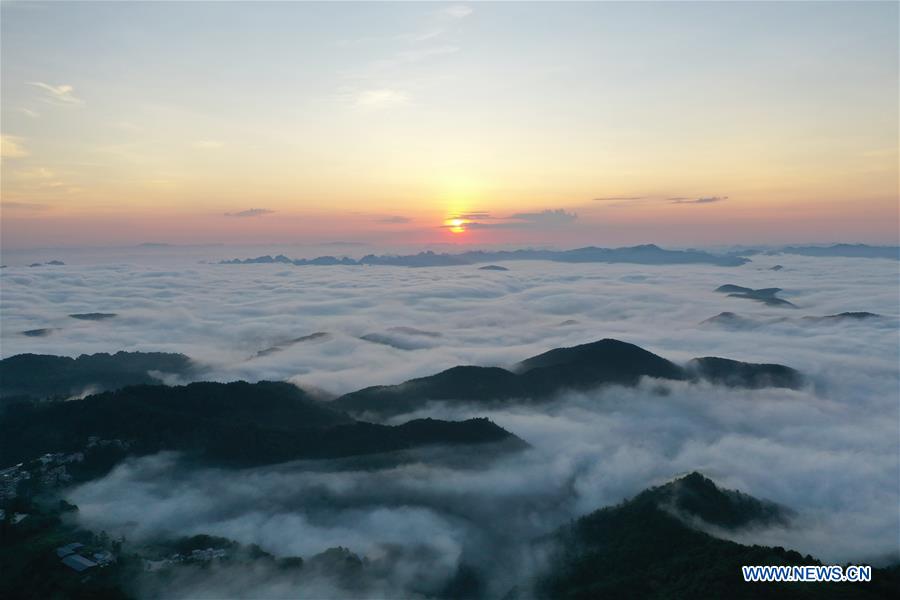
(482, 123)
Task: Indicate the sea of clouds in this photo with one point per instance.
(828, 451)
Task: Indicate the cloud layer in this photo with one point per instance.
(545, 219)
(828, 451)
(12, 146)
(250, 212)
(702, 200)
(57, 94)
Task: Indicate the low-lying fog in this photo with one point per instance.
(829, 451)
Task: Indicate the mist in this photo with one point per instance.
(827, 451)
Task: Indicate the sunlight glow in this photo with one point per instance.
(456, 225)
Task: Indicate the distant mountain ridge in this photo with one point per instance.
(844, 250)
(42, 376)
(581, 367)
(647, 254)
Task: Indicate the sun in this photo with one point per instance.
(456, 225)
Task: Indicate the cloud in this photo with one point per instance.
(439, 27)
(42, 180)
(37, 173)
(619, 198)
(457, 11)
(410, 37)
(545, 219)
(627, 201)
(30, 113)
(11, 146)
(394, 220)
(827, 451)
(558, 215)
(703, 200)
(395, 54)
(208, 144)
(57, 94)
(422, 36)
(474, 216)
(128, 126)
(250, 212)
(414, 56)
(381, 98)
(26, 206)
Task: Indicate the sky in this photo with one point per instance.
(684, 124)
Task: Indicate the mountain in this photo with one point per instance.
(403, 338)
(581, 367)
(647, 547)
(42, 332)
(844, 250)
(479, 384)
(734, 373)
(695, 497)
(93, 316)
(236, 424)
(730, 320)
(765, 295)
(42, 376)
(647, 254)
(846, 316)
(318, 335)
(604, 361)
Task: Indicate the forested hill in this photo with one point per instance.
(235, 424)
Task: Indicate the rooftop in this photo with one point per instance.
(78, 563)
